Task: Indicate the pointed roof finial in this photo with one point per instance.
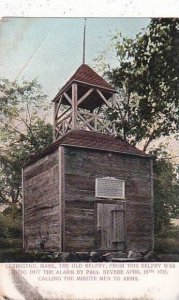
(84, 41)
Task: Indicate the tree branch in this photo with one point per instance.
(147, 143)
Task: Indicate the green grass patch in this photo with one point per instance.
(10, 234)
(168, 242)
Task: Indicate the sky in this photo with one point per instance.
(50, 49)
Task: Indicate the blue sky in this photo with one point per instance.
(50, 49)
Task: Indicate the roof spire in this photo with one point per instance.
(84, 41)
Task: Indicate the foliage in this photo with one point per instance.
(25, 132)
(11, 227)
(18, 153)
(147, 79)
(10, 233)
(168, 242)
(166, 197)
(20, 107)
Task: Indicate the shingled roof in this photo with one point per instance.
(85, 74)
(93, 140)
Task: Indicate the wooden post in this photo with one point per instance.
(113, 106)
(54, 121)
(152, 202)
(23, 209)
(61, 198)
(95, 123)
(113, 100)
(74, 105)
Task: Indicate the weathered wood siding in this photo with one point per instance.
(82, 167)
(41, 204)
(61, 210)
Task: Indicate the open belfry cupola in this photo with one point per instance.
(78, 103)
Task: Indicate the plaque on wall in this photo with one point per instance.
(109, 187)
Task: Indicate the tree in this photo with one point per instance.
(166, 187)
(22, 106)
(18, 153)
(147, 80)
(25, 132)
(146, 77)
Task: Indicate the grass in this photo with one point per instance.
(10, 235)
(168, 242)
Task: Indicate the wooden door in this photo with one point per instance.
(110, 227)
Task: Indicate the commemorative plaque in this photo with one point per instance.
(110, 187)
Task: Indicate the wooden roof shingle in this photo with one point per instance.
(93, 140)
(85, 74)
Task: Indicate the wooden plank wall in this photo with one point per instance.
(82, 166)
(41, 204)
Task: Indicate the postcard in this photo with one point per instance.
(89, 157)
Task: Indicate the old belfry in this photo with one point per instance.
(88, 190)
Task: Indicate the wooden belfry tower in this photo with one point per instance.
(81, 98)
(88, 191)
